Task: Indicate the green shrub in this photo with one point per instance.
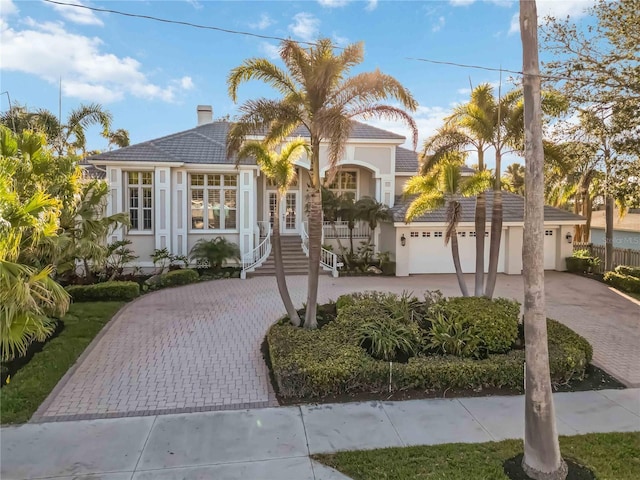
(174, 278)
(215, 252)
(449, 336)
(107, 291)
(386, 339)
(577, 264)
(629, 271)
(495, 321)
(626, 283)
(345, 300)
(317, 363)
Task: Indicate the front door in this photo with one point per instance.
(288, 212)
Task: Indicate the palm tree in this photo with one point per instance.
(371, 211)
(542, 459)
(319, 95)
(119, 138)
(65, 138)
(513, 178)
(280, 168)
(444, 185)
(29, 297)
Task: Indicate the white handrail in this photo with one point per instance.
(340, 229)
(328, 259)
(253, 259)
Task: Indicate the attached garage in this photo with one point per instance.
(428, 252)
(420, 248)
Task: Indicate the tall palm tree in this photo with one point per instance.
(373, 212)
(542, 459)
(513, 178)
(280, 168)
(444, 185)
(318, 94)
(65, 138)
(119, 138)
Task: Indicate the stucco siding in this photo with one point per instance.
(143, 246)
(380, 157)
(400, 181)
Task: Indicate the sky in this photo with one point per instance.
(152, 75)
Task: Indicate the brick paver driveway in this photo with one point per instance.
(197, 347)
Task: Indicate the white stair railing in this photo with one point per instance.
(340, 229)
(328, 259)
(253, 259)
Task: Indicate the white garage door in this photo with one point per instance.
(429, 254)
(550, 241)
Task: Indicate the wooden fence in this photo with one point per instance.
(621, 256)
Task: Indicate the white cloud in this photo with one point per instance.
(195, 4)
(264, 22)
(333, 3)
(7, 7)
(437, 26)
(87, 71)
(76, 14)
(461, 3)
(270, 50)
(371, 5)
(305, 26)
(553, 8)
(186, 83)
(340, 41)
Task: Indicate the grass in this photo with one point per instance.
(611, 456)
(31, 384)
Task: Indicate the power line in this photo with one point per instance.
(177, 22)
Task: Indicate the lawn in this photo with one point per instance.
(611, 456)
(31, 384)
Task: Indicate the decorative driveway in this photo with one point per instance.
(197, 348)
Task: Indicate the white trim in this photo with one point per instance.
(213, 232)
(126, 205)
(162, 207)
(217, 168)
(135, 166)
(504, 224)
(345, 164)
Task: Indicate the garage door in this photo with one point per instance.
(550, 241)
(429, 254)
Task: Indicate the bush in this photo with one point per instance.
(449, 336)
(173, 278)
(495, 321)
(629, 271)
(626, 283)
(107, 291)
(214, 252)
(387, 339)
(317, 363)
(577, 264)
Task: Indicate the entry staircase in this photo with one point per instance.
(293, 257)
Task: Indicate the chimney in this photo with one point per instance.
(205, 114)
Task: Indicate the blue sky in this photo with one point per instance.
(152, 75)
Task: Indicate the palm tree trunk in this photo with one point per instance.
(315, 235)
(455, 252)
(281, 280)
(480, 220)
(608, 233)
(588, 213)
(496, 231)
(542, 458)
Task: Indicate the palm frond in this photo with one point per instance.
(426, 202)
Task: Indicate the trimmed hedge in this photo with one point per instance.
(626, 283)
(175, 278)
(629, 271)
(328, 361)
(578, 264)
(495, 321)
(107, 291)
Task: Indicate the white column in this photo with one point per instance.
(403, 254)
(179, 208)
(378, 189)
(162, 199)
(115, 200)
(248, 204)
(564, 249)
(388, 189)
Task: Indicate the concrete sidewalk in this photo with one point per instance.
(275, 443)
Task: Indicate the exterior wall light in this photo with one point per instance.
(403, 240)
(568, 237)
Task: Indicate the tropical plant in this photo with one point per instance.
(215, 252)
(68, 138)
(450, 336)
(118, 256)
(542, 458)
(280, 168)
(513, 178)
(119, 138)
(385, 339)
(369, 210)
(444, 185)
(319, 95)
(29, 297)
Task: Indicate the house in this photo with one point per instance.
(183, 187)
(626, 229)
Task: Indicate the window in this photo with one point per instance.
(472, 234)
(271, 183)
(213, 201)
(437, 234)
(415, 234)
(140, 200)
(462, 234)
(345, 183)
(548, 233)
(426, 234)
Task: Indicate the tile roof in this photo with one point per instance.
(512, 210)
(407, 162)
(207, 144)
